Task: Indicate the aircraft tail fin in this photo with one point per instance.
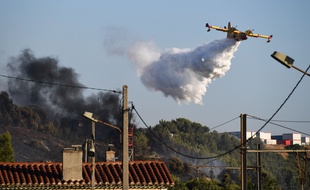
(229, 25)
(229, 28)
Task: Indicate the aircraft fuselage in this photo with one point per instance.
(237, 37)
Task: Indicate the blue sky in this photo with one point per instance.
(75, 33)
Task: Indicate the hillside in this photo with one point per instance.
(36, 136)
(32, 146)
(189, 149)
(278, 147)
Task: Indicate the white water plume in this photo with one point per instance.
(183, 74)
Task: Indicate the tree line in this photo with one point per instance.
(172, 141)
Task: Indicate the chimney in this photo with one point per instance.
(110, 154)
(72, 163)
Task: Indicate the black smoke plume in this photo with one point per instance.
(54, 89)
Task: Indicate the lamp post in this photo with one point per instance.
(93, 156)
(88, 115)
(287, 61)
(125, 163)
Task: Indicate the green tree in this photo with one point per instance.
(141, 145)
(178, 184)
(6, 149)
(7, 109)
(176, 165)
(270, 182)
(203, 184)
(226, 180)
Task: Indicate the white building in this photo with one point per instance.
(291, 136)
(295, 138)
(249, 134)
(264, 136)
(270, 141)
(305, 140)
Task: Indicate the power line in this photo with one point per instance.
(289, 121)
(178, 152)
(290, 94)
(239, 146)
(268, 121)
(57, 84)
(224, 123)
(260, 119)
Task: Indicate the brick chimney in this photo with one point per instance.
(110, 154)
(72, 163)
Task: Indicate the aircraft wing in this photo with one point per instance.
(216, 28)
(260, 36)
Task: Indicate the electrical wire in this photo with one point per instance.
(224, 123)
(290, 94)
(114, 91)
(178, 152)
(289, 121)
(237, 147)
(260, 119)
(57, 84)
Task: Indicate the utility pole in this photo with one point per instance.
(302, 171)
(125, 140)
(93, 156)
(258, 168)
(243, 148)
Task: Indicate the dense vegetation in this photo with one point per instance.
(24, 116)
(192, 152)
(6, 149)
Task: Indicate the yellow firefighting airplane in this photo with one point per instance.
(232, 32)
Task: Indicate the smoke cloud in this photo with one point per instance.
(183, 74)
(57, 100)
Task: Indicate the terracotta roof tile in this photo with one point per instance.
(141, 174)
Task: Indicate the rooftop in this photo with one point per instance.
(107, 174)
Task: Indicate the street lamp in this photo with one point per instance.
(125, 161)
(286, 61)
(89, 116)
